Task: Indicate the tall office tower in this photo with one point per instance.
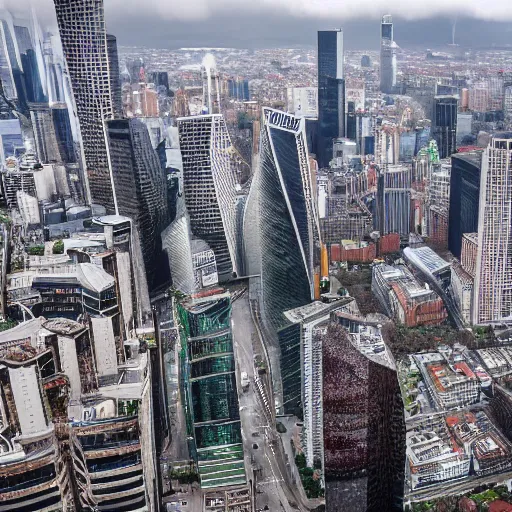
(159, 78)
(115, 77)
(7, 74)
(331, 93)
(209, 390)
(281, 211)
(211, 85)
(238, 88)
(84, 41)
(363, 423)
(464, 198)
(394, 200)
(139, 186)
(47, 146)
(387, 56)
(366, 62)
(492, 292)
(444, 128)
(212, 169)
(63, 132)
(479, 96)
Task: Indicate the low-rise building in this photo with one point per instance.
(449, 385)
(404, 299)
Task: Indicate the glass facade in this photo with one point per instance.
(62, 126)
(445, 125)
(210, 391)
(464, 198)
(291, 368)
(331, 93)
(285, 279)
(140, 187)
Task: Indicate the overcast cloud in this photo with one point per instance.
(264, 23)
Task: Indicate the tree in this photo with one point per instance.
(58, 247)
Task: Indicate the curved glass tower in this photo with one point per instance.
(288, 224)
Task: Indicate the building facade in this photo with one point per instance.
(287, 224)
(387, 56)
(493, 275)
(211, 175)
(444, 128)
(464, 198)
(86, 52)
(331, 93)
(139, 186)
(363, 423)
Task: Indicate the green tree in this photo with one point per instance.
(58, 247)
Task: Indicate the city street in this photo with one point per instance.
(272, 488)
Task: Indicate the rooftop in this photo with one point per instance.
(63, 326)
(94, 277)
(426, 260)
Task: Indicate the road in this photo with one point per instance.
(274, 487)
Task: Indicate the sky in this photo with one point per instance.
(272, 23)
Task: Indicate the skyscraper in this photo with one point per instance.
(464, 198)
(139, 185)
(445, 124)
(209, 390)
(115, 79)
(84, 41)
(211, 176)
(287, 223)
(387, 56)
(492, 290)
(363, 422)
(331, 93)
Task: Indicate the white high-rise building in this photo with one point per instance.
(493, 276)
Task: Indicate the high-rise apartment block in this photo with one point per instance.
(331, 93)
(387, 56)
(84, 41)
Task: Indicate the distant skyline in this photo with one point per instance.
(281, 23)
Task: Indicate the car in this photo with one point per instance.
(244, 380)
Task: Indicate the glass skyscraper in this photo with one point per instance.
(288, 226)
(387, 56)
(445, 124)
(331, 93)
(140, 186)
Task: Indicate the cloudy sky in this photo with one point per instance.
(269, 23)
